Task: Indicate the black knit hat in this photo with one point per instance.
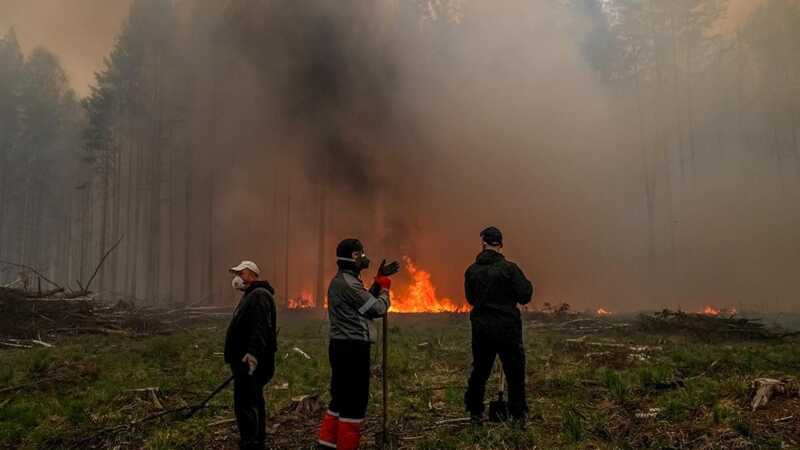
(492, 236)
(346, 248)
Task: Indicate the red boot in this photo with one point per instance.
(328, 431)
(349, 434)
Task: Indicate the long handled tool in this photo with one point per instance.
(384, 367)
(498, 409)
(203, 404)
(189, 412)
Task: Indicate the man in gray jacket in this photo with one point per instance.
(351, 310)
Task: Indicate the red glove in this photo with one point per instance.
(384, 282)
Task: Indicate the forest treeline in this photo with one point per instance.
(143, 157)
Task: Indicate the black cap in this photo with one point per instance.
(346, 248)
(492, 236)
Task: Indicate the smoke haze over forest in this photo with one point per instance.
(634, 156)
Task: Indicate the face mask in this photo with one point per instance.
(238, 283)
(362, 262)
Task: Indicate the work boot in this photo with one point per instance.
(328, 431)
(349, 434)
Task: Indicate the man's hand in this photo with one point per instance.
(387, 270)
(251, 362)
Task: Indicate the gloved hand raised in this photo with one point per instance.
(387, 270)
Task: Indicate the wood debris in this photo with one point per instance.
(27, 316)
(764, 389)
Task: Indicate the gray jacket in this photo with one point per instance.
(351, 308)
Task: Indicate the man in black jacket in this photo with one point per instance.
(250, 345)
(494, 286)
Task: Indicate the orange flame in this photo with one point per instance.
(304, 301)
(716, 312)
(420, 296)
(603, 312)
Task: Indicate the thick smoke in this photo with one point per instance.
(414, 124)
(426, 131)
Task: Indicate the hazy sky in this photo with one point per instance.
(81, 32)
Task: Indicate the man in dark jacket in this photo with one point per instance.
(250, 345)
(351, 310)
(494, 286)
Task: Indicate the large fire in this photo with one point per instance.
(603, 312)
(420, 296)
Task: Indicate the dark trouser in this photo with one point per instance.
(248, 402)
(505, 341)
(350, 371)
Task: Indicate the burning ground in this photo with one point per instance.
(592, 382)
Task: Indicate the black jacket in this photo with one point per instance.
(494, 287)
(253, 328)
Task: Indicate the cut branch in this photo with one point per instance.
(39, 274)
(100, 264)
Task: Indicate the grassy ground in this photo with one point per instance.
(582, 395)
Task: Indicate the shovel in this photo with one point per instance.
(498, 409)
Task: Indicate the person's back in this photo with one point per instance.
(494, 287)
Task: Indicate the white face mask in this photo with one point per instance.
(238, 283)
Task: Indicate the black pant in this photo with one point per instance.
(248, 401)
(350, 371)
(504, 340)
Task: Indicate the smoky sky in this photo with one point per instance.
(419, 133)
(80, 32)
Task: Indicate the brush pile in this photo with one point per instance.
(703, 325)
(27, 317)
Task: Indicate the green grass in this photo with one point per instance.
(86, 384)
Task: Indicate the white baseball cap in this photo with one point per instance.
(245, 265)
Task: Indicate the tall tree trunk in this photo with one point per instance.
(137, 217)
(3, 199)
(106, 185)
(115, 227)
(187, 231)
(648, 185)
(170, 260)
(287, 246)
(320, 294)
(676, 97)
(210, 265)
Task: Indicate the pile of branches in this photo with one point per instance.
(33, 316)
(668, 321)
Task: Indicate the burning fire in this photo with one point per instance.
(420, 296)
(304, 301)
(603, 312)
(715, 312)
